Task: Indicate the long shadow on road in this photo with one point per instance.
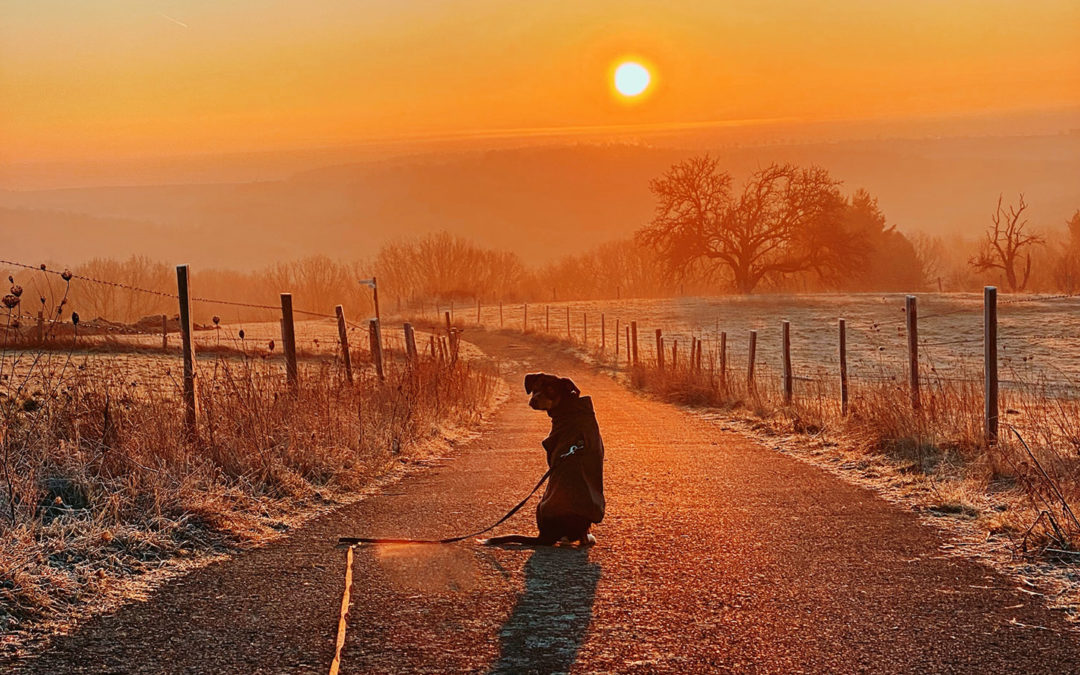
(547, 627)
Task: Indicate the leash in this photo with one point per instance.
(352, 541)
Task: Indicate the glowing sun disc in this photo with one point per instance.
(631, 79)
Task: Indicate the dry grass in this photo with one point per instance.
(98, 482)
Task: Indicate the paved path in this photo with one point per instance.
(717, 555)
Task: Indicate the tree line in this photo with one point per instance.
(784, 229)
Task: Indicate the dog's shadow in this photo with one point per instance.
(547, 627)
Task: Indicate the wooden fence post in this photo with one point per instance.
(410, 343)
(478, 310)
(449, 326)
(990, 363)
(343, 337)
(187, 344)
(603, 329)
(912, 312)
(628, 361)
(675, 355)
(431, 344)
(789, 380)
(723, 358)
(376, 347)
(659, 349)
(288, 341)
(750, 363)
(843, 368)
(698, 358)
(634, 345)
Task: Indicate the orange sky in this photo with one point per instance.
(114, 78)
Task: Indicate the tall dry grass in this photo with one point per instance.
(97, 481)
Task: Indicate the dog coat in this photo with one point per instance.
(575, 454)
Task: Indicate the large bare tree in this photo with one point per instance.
(786, 220)
(1007, 245)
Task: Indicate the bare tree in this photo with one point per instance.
(787, 220)
(1006, 244)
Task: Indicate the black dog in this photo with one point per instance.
(574, 498)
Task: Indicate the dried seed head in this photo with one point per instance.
(11, 301)
(66, 275)
(271, 345)
(11, 279)
(216, 320)
(241, 333)
(75, 318)
(42, 267)
(42, 300)
(16, 290)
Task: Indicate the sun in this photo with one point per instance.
(631, 79)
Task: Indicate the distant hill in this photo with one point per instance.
(540, 202)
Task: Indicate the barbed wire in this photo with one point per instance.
(67, 275)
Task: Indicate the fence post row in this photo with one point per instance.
(789, 388)
(628, 360)
(187, 346)
(990, 364)
(343, 336)
(842, 327)
(912, 312)
(750, 361)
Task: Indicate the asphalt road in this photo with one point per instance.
(717, 555)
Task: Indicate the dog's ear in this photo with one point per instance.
(569, 387)
(531, 382)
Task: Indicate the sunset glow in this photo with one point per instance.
(157, 79)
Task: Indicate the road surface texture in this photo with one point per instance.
(717, 555)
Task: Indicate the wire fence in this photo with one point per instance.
(950, 346)
(150, 354)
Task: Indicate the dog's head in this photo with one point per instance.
(547, 391)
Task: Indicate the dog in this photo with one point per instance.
(574, 498)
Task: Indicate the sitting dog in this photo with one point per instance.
(574, 497)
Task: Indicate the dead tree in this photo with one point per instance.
(1007, 245)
